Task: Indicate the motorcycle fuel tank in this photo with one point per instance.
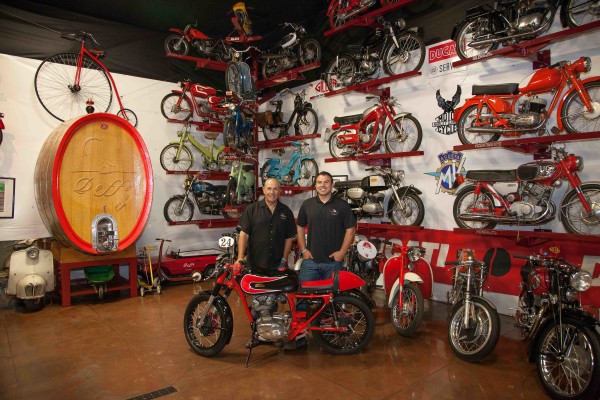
(373, 183)
(540, 81)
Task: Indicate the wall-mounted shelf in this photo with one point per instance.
(289, 190)
(371, 86)
(531, 144)
(284, 141)
(529, 238)
(375, 229)
(375, 159)
(204, 126)
(286, 76)
(530, 48)
(209, 223)
(367, 19)
(205, 63)
(204, 175)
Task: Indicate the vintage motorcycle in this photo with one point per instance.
(301, 169)
(342, 11)
(340, 323)
(363, 133)
(303, 119)
(398, 48)
(512, 109)
(523, 196)
(181, 40)
(209, 198)
(509, 22)
(366, 197)
(193, 98)
(562, 338)
(293, 50)
(240, 189)
(238, 129)
(474, 323)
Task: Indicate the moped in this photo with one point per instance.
(240, 189)
(176, 156)
(363, 133)
(193, 98)
(209, 198)
(300, 170)
(303, 119)
(512, 109)
(238, 130)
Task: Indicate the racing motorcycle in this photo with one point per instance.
(340, 323)
(512, 109)
(209, 198)
(366, 197)
(295, 49)
(562, 338)
(398, 48)
(509, 22)
(523, 196)
(180, 41)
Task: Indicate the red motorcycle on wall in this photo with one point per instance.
(193, 98)
(513, 109)
(342, 11)
(523, 196)
(180, 41)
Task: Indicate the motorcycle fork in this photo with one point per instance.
(468, 301)
(575, 182)
(585, 96)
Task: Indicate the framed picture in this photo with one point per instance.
(7, 197)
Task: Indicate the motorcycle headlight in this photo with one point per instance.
(580, 281)
(398, 175)
(231, 106)
(414, 253)
(579, 163)
(587, 64)
(33, 252)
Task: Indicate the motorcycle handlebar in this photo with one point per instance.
(521, 256)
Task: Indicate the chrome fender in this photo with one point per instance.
(409, 277)
(30, 287)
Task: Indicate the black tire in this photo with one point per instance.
(337, 150)
(467, 119)
(574, 118)
(178, 209)
(231, 196)
(573, 215)
(577, 12)
(34, 304)
(309, 51)
(170, 109)
(308, 123)
(54, 86)
(478, 341)
(576, 374)
(264, 171)
(176, 44)
(230, 139)
(408, 139)
(309, 169)
(272, 132)
(409, 213)
(464, 37)
(352, 313)
(208, 271)
(170, 162)
(101, 292)
(466, 200)
(408, 56)
(340, 73)
(129, 116)
(211, 337)
(270, 68)
(407, 321)
(334, 18)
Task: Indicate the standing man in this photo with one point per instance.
(267, 230)
(331, 227)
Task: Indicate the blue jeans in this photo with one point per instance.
(314, 271)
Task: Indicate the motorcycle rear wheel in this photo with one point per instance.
(308, 122)
(351, 313)
(410, 213)
(178, 209)
(467, 119)
(408, 56)
(477, 342)
(176, 44)
(340, 73)
(467, 31)
(211, 337)
(407, 321)
(408, 139)
(574, 372)
(336, 149)
(309, 51)
(573, 213)
(170, 109)
(466, 200)
(574, 13)
(334, 18)
(574, 113)
(170, 162)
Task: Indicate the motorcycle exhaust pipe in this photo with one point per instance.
(508, 219)
(486, 42)
(358, 10)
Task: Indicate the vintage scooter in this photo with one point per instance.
(30, 274)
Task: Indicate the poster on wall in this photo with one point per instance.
(7, 197)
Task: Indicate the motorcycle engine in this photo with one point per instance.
(529, 22)
(204, 106)
(369, 63)
(205, 46)
(531, 113)
(270, 325)
(532, 201)
(374, 204)
(366, 134)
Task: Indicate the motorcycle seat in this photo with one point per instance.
(347, 119)
(321, 286)
(347, 184)
(502, 88)
(248, 167)
(493, 175)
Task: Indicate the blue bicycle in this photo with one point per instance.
(238, 129)
(300, 170)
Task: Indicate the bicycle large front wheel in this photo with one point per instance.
(65, 98)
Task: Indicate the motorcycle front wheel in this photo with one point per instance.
(567, 360)
(408, 56)
(206, 338)
(173, 109)
(171, 162)
(408, 138)
(335, 19)
(579, 12)
(476, 342)
(474, 30)
(178, 209)
(308, 172)
(574, 217)
(309, 51)
(176, 44)
(409, 212)
(468, 119)
(406, 321)
(574, 114)
(351, 313)
(466, 200)
(340, 73)
(337, 149)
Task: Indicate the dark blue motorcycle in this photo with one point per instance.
(209, 198)
(238, 129)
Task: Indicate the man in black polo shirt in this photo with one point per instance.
(331, 226)
(267, 229)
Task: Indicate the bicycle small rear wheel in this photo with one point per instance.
(64, 98)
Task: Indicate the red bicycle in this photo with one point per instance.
(69, 85)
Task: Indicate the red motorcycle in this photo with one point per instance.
(523, 196)
(342, 11)
(340, 321)
(363, 133)
(180, 105)
(180, 41)
(513, 109)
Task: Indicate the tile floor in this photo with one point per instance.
(123, 348)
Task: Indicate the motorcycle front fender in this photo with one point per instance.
(562, 101)
(409, 189)
(568, 192)
(31, 287)
(363, 297)
(409, 277)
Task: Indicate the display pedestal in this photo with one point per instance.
(67, 259)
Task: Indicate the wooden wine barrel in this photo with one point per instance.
(94, 165)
